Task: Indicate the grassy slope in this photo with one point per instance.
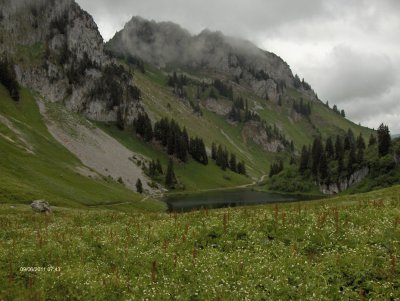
(157, 96)
(193, 175)
(335, 249)
(50, 172)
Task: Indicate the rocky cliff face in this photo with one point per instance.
(255, 131)
(59, 52)
(167, 44)
(344, 184)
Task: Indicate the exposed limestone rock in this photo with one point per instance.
(344, 184)
(254, 131)
(165, 43)
(41, 206)
(220, 107)
(265, 89)
(69, 63)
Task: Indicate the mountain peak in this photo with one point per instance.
(59, 52)
(166, 44)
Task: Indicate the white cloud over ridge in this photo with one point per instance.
(349, 51)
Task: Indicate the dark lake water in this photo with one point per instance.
(222, 199)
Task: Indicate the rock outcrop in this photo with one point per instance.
(344, 184)
(41, 206)
(59, 52)
(256, 132)
(167, 44)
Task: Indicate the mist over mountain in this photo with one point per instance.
(166, 44)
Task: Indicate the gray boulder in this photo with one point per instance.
(41, 206)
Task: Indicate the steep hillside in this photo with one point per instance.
(35, 166)
(217, 72)
(58, 51)
(220, 90)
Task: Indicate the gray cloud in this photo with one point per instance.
(347, 50)
(350, 74)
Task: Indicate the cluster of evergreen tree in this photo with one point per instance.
(109, 85)
(276, 168)
(136, 61)
(330, 161)
(302, 108)
(143, 127)
(195, 105)
(8, 78)
(262, 75)
(130, 59)
(300, 83)
(339, 112)
(170, 178)
(273, 133)
(178, 82)
(259, 74)
(223, 89)
(197, 150)
(76, 69)
(155, 168)
(171, 136)
(225, 160)
(384, 140)
(177, 142)
(240, 111)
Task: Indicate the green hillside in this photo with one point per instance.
(35, 166)
(160, 101)
(345, 248)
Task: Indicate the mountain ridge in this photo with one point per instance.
(59, 52)
(219, 95)
(168, 44)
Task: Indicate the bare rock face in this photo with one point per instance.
(254, 131)
(266, 89)
(59, 52)
(165, 43)
(344, 184)
(217, 106)
(41, 206)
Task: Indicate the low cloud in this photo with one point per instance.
(347, 50)
(350, 74)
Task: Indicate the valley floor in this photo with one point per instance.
(344, 248)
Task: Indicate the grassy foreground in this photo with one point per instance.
(345, 248)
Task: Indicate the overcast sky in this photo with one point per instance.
(348, 50)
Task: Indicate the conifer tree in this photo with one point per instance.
(8, 78)
(317, 150)
(170, 179)
(330, 152)
(339, 150)
(159, 167)
(213, 151)
(232, 163)
(384, 140)
(351, 160)
(139, 186)
(360, 142)
(360, 155)
(323, 167)
(304, 160)
(372, 140)
(241, 168)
